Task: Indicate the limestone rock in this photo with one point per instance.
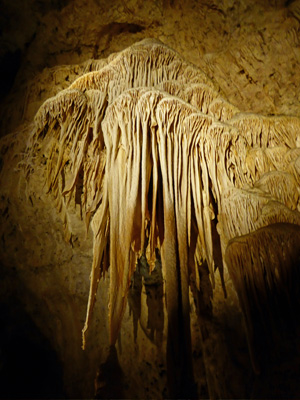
(137, 163)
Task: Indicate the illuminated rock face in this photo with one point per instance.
(145, 151)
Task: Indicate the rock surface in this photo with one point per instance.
(248, 196)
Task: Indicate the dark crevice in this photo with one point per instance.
(79, 189)
(43, 7)
(153, 284)
(109, 380)
(10, 64)
(114, 29)
(29, 367)
(217, 252)
(288, 2)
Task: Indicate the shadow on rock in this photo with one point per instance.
(109, 379)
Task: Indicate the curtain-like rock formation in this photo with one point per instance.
(160, 163)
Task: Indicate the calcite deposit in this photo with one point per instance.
(145, 176)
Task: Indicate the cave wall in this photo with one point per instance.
(250, 51)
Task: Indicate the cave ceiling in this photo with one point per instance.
(150, 165)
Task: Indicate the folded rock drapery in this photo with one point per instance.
(157, 159)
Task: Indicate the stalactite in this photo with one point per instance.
(264, 266)
(168, 165)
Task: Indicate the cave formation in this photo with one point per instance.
(184, 211)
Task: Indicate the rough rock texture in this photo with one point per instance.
(140, 165)
(250, 49)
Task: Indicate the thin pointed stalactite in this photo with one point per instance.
(160, 162)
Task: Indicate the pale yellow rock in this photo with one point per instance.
(144, 147)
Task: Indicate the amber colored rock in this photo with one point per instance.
(156, 172)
